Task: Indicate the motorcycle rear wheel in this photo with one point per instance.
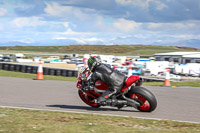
(88, 100)
(147, 100)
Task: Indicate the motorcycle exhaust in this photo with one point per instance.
(132, 102)
(115, 102)
(139, 82)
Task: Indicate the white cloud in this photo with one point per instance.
(153, 25)
(127, 36)
(187, 36)
(80, 14)
(59, 38)
(54, 9)
(159, 5)
(27, 40)
(68, 32)
(28, 21)
(34, 22)
(3, 12)
(126, 25)
(142, 3)
(123, 2)
(99, 21)
(183, 25)
(73, 33)
(93, 39)
(159, 41)
(66, 24)
(78, 40)
(81, 40)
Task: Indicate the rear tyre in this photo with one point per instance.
(147, 100)
(88, 100)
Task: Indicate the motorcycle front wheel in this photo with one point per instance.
(88, 99)
(147, 100)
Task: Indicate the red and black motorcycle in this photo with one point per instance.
(131, 95)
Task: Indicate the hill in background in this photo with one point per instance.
(128, 50)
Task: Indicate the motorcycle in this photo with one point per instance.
(131, 95)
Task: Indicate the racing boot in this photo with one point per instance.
(104, 97)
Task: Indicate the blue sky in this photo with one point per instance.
(164, 22)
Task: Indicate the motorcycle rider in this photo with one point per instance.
(109, 76)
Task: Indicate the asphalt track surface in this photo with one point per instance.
(179, 103)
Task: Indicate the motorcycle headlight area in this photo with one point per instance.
(83, 76)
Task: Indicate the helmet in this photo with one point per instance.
(92, 63)
(98, 58)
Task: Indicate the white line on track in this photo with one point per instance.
(148, 118)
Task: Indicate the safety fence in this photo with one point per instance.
(33, 69)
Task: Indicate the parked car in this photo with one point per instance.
(5, 59)
(54, 58)
(76, 61)
(1, 57)
(122, 69)
(37, 59)
(136, 71)
(66, 56)
(51, 59)
(66, 60)
(172, 76)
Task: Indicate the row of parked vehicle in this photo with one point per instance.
(138, 67)
(5, 58)
(50, 59)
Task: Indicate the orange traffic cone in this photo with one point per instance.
(167, 78)
(129, 71)
(40, 71)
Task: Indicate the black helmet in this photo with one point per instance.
(92, 63)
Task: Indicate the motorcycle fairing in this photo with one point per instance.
(129, 81)
(101, 85)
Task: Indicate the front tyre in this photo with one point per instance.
(147, 100)
(87, 99)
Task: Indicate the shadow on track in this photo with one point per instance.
(75, 107)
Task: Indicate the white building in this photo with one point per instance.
(157, 66)
(193, 58)
(179, 57)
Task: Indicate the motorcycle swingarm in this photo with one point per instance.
(131, 102)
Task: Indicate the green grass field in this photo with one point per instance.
(126, 50)
(33, 121)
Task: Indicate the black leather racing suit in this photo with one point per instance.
(109, 76)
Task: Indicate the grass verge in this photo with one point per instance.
(176, 84)
(32, 121)
(4, 73)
